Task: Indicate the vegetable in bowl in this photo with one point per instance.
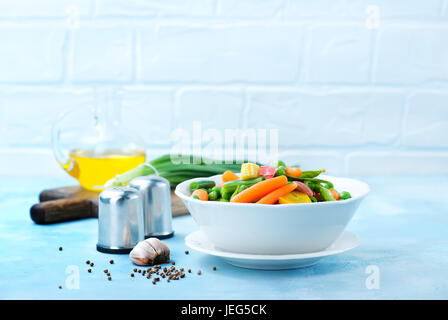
(270, 185)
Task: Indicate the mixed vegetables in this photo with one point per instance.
(279, 184)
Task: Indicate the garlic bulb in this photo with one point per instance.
(150, 252)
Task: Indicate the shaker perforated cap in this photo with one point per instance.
(155, 193)
(120, 220)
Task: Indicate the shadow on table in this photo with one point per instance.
(326, 266)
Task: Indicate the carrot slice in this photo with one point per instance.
(272, 197)
(336, 195)
(229, 176)
(259, 190)
(201, 193)
(295, 172)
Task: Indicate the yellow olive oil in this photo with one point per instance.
(93, 170)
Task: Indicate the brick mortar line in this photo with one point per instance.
(437, 21)
(252, 87)
(171, 84)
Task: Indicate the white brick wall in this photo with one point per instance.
(356, 9)
(102, 54)
(328, 119)
(416, 55)
(151, 8)
(354, 86)
(338, 54)
(426, 120)
(32, 54)
(31, 9)
(219, 53)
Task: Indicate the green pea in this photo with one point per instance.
(345, 195)
(213, 196)
(226, 195)
(217, 190)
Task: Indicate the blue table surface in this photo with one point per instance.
(402, 225)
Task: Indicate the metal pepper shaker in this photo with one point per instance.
(120, 220)
(155, 194)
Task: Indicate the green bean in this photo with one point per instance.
(280, 164)
(311, 174)
(235, 192)
(202, 184)
(326, 194)
(280, 171)
(313, 186)
(327, 184)
(230, 187)
(239, 189)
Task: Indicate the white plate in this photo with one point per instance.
(198, 241)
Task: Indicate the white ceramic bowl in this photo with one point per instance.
(274, 229)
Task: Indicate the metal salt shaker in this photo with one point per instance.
(155, 194)
(120, 220)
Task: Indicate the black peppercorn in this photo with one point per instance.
(111, 261)
(60, 248)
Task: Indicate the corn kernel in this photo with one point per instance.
(249, 171)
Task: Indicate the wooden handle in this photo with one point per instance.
(67, 192)
(63, 210)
